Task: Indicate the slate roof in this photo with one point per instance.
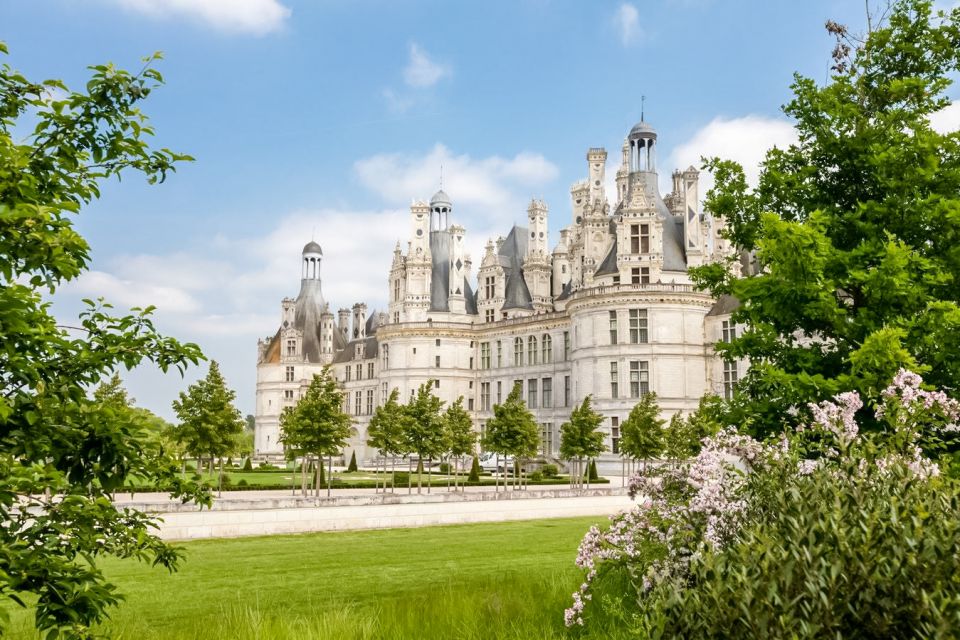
(510, 255)
(724, 306)
(306, 317)
(609, 264)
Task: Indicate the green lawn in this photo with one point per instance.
(500, 580)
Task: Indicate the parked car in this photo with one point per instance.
(491, 464)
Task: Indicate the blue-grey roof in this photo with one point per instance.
(440, 243)
(609, 264)
(312, 247)
(306, 317)
(643, 130)
(511, 255)
(440, 197)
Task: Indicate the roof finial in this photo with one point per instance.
(313, 232)
(643, 99)
(441, 176)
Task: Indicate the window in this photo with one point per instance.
(471, 362)
(518, 352)
(566, 345)
(728, 331)
(616, 279)
(436, 383)
(370, 371)
(396, 289)
(489, 315)
(489, 287)
(639, 238)
(470, 404)
(499, 353)
(614, 380)
(638, 326)
(532, 350)
(532, 393)
(386, 356)
(436, 361)
(396, 317)
(358, 402)
(639, 378)
(730, 376)
(346, 403)
(288, 394)
(546, 393)
(290, 374)
(615, 435)
(359, 372)
(347, 371)
(566, 391)
(613, 327)
(484, 355)
(644, 275)
(499, 391)
(547, 438)
(384, 396)
(369, 402)
(291, 347)
(484, 396)
(547, 345)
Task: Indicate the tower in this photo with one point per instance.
(343, 323)
(456, 299)
(537, 223)
(596, 169)
(692, 227)
(312, 256)
(359, 320)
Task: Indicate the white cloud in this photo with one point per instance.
(627, 21)
(947, 120)
(421, 71)
(257, 17)
(125, 292)
(744, 139)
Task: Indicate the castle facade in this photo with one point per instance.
(610, 312)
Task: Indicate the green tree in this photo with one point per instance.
(209, 423)
(251, 422)
(641, 434)
(317, 425)
(854, 228)
(352, 467)
(424, 432)
(385, 433)
(581, 439)
(461, 438)
(63, 453)
(513, 431)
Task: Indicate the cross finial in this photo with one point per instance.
(643, 99)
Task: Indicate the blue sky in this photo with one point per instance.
(327, 118)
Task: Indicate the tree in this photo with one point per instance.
(513, 431)
(460, 436)
(209, 423)
(580, 439)
(317, 425)
(251, 423)
(424, 432)
(385, 433)
(352, 467)
(63, 453)
(641, 434)
(854, 228)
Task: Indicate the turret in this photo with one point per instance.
(596, 170)
(343, 323)
(359, 320)
(537, 223)
(456, 298)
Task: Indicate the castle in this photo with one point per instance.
(610, 312)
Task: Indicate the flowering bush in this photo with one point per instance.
(792, 526)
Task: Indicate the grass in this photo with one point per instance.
(498, 580)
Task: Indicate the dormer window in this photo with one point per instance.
(291, 347)
(639, 238)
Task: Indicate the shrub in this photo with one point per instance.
(352, 467)
(536, 476)
(230, 461)
(267, 466)
(241, 482)
(474, 471)
(445, 467)
(401, 478)
(550, 471)
(248, 465)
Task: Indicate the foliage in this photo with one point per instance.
(641, 434)
(460, 436)
(62, 453)
(830, 532)
(513, 430)
(854, 228)
(317, 424)
(536, 476)
(580, 437)
(550, 471)
(388, 426)
(352, 466)
(424, 432)
(209, 423)
(592, 474)
(248, 464)
(474, 470)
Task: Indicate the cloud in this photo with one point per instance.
(256, 17)
(421, 71)
(125, 292)
(947, 120)
(627, 21)
(744, 139)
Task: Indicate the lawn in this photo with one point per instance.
(498, 580)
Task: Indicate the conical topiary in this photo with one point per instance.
(353, 463)
(593, 471)
(474, 471)
(248, 465)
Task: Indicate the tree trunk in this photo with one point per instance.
(220, 480)
(329, 474)
(409, 476)
(496, 470)
(429, 473)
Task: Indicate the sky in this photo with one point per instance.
(325, 119)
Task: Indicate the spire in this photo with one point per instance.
(643, 100)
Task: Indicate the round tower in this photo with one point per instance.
(312, 256)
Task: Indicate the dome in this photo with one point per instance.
(312, 247)
(642, 130)
(440, 198)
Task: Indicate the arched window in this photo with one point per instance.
(386, 356)
(518, 352)
(547, 345)
(532, 350)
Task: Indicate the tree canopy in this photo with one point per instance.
(642, 435)
(855, 228)
(209, 423)
(513, 430)
(62, 452)
(317, 424)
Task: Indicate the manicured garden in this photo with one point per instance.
(509, 580)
